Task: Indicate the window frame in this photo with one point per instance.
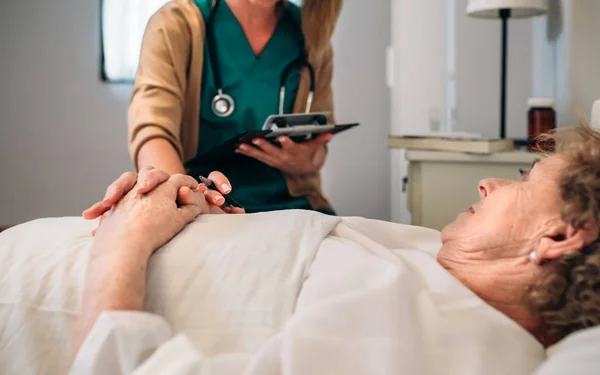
(104, 78)
(102, 73)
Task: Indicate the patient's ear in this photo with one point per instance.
(571, 240)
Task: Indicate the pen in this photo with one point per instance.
(229, 202)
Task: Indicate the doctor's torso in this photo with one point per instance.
(253, 82)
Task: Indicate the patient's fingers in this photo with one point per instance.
(180, 180)
(187, 196)
(120, 187)
(184, 196)
(189, 212)
(191, 203)
(99, 223)
(148, 179)
(221, 182)
(95, 211)
(114, 193)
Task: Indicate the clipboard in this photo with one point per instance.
(298, 127)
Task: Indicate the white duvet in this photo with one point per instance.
(291, 292)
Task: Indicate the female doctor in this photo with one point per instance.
(212, 69)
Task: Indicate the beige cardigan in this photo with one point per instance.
(166, 97)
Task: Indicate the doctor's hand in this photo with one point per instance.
(299, 159)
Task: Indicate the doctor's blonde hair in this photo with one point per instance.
(567, 298)
(324, 13)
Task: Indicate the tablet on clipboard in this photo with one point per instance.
(299, 127)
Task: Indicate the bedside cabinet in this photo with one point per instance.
(441, 185)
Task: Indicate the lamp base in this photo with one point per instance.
(504, 15)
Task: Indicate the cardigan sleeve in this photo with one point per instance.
(157, 103)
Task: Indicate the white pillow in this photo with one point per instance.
(577, 354)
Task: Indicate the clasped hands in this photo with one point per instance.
(143, 211)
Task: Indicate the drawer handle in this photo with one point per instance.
(404, 184)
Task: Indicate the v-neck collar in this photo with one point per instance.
(247, 46)
(237, 60)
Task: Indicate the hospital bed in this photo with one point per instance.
(42, 266)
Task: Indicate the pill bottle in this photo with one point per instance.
(541, 119)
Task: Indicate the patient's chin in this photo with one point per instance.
(452, 229)
(447, 231)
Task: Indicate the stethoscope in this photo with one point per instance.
(223, 104)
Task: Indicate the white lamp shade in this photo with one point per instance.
(518, 8)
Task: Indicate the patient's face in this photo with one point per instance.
(510, 215)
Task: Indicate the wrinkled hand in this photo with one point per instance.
(298, 159)
(146, 221)
(147, 180)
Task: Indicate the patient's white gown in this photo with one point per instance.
(291, 292)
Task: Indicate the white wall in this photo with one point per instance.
(552, 62)
(584, 57)
(555, 55)
(478, 54)
(567, 56)
(63, 133)
(356, 176)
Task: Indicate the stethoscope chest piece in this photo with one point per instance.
(222, 104)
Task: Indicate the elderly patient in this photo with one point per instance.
(529, 248)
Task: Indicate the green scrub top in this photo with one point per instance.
(253, 83)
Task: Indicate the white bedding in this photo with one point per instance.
(291, 292)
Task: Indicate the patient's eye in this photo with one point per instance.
(525, 172)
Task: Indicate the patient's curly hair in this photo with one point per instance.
(567, 297)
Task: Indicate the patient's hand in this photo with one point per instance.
(131, 231)
(145, 222)
(147, 180)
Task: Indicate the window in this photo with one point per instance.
(123, 24)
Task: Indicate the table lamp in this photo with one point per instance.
(505, 9)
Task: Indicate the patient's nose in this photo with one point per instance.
(488, 185)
